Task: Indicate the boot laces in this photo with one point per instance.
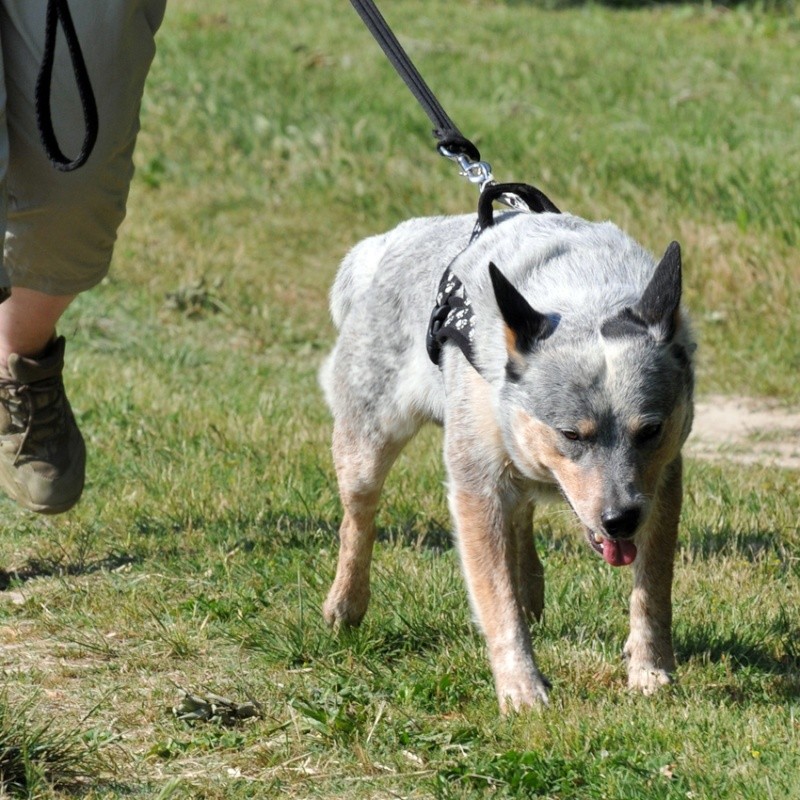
(35, 409)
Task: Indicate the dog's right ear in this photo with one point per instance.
(525, 327)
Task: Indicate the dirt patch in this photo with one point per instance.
(746, 431)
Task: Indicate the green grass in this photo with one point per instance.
(273, 139)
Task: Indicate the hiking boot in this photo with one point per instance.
(42, 454)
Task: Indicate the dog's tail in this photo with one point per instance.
(355, 276)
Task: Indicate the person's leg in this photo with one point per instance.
(60, 228)
(28, 322)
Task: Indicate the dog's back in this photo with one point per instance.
(380, 302)
(396, 261)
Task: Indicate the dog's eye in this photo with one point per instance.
(573, 436)
(648, 433)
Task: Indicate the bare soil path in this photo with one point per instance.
(746, 431)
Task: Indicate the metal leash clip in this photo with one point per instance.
(478, 172)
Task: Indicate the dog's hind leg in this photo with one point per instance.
(530, 572)
(648, 649)
(361, 468)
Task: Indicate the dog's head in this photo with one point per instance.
(601, 410)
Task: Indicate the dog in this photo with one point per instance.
(573, 377)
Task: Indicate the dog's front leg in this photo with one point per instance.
(488, 554)
(648, 650)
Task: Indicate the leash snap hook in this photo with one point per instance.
(477, 172)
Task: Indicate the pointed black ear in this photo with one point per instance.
(658, 307)
(525, 327)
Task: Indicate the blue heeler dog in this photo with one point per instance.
(577, 380)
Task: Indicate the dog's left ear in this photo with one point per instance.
(657, 312)
(525, 327)
(658, 308)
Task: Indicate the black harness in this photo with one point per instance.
(453, 318)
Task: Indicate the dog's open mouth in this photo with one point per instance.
(616, 552)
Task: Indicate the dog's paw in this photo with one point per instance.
(522, 692)
(342, 611)
(648, 680)
(651, 663)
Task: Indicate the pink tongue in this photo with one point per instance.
(619, 553)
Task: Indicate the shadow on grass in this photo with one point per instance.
(408, 533)
(40, 568)
(751, 544)
(245, 531)
(273, 529)
(747, 656)
(738, 653)
(257, 533)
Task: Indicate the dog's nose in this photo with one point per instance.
(621, 523)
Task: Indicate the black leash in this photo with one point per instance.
(451, 143)
(58, 12)
(448, 136)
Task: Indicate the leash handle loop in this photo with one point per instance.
(58, 12)
(517, 196)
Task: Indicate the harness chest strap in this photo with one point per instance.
(452, 319)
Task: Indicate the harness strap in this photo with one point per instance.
(451, 320)
(58, 12)
(519, 196)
